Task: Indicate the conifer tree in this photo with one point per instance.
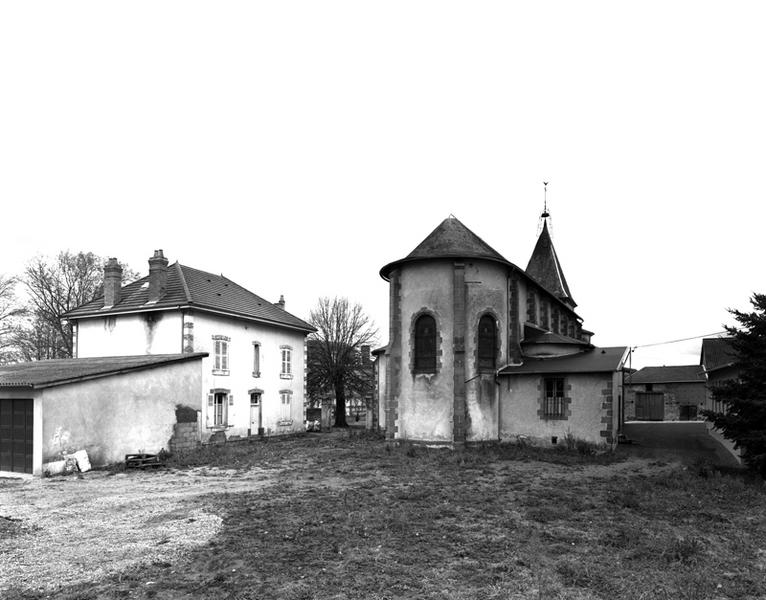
(744, 418)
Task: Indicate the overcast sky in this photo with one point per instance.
(297, 147)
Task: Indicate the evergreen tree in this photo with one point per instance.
(744, 418)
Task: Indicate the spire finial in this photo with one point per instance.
(545, 214)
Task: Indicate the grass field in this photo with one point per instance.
(343, 516)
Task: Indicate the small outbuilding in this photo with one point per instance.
(675, 393)
(107, 406)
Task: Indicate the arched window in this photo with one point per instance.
(425, 344)
(487, 343)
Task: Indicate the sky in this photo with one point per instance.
(297, 147)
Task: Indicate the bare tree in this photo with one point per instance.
(10, 312)
(334, 360)
(55, 287)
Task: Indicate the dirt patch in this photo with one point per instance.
(64, 530)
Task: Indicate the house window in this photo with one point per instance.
(425, 344)
(287, 360)
(553, 400)
(649, 387)
(285, 412)
(256, 359)
(218, 402)
(220, 355)
(487, 343)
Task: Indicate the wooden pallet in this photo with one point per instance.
(142, 461)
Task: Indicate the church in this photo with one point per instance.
(481, 350)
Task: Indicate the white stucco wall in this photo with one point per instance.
(159, 332)
(116, 415)
(241, 379)
(126, 335)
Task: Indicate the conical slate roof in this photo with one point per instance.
(545, 268)
(451, 239)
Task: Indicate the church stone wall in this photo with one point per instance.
(486, 293)
(425, 400)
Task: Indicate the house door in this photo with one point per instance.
(16, 428)
(650, 406)
(256, 413)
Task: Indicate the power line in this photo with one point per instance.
(696, 337)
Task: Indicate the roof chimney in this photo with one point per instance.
(281, 303)
(158, 276)
(112, 282)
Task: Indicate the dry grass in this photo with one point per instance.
(346, 517)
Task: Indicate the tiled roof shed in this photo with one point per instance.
(672, 374)
(189, 288)
(598, 360)
(50, 373)
(717, 353)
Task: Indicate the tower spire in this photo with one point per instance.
(545, 217)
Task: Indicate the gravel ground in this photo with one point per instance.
(64, 530)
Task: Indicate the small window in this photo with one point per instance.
(649, 387)
(255, 398)
(287, 360)
(487, 343)
(256, 359)
(425, 344)
(553, 402)
(220, 355)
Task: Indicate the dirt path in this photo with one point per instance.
(66, 530)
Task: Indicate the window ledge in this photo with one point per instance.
(285, 422)
(285, 375)
(220, 371)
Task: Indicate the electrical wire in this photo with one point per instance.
(696, 337)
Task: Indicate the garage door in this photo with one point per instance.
(650, 406)
(16, 420)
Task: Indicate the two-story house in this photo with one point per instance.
(253, 379)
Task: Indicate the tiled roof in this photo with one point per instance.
(672, 374)
(48, 373)
(535, 336)
(191, 288)
(451, 239)
(598, 360)
(544, 267)
(717, 353)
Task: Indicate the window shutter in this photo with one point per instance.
(210, 399)
(231, 399)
